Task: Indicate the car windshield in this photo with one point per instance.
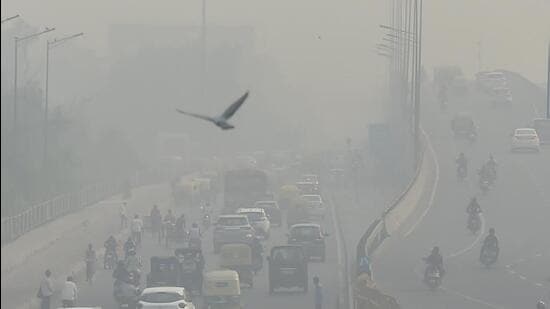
(161, 297)
(312, 198)
(305, 233)
(232, 221)
(266, 204)
(283, 255)
(526, 132)
(254, 216)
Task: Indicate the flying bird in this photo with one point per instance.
(221, 121)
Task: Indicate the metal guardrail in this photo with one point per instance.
(14, 226)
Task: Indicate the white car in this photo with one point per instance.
(525, 138)
(315, 205)
(165, 297)
(258, 219)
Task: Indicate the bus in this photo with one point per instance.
(542, 126)
(243, 187)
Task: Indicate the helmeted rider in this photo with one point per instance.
(435, 260)
(120, 273)
(473, 208)
(133, 264)
(462, 162)
(491, 241)
(491, 168)
(129, 245)
(111, 246)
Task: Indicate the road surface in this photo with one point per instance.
(518, 207)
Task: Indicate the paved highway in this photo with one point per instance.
(518, 207)
(99, 293)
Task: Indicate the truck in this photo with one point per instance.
(243, 187)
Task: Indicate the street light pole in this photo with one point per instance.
(418, 78)
(50, 45)
(203, 52)
(548, 86)
(16, 41)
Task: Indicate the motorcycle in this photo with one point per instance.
(109, 260)
(489, 255)
(433, 277)
(126, 295)
(474, 223)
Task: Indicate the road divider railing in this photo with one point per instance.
(14, 226)
(366, 295)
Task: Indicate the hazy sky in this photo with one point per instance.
(514, 34)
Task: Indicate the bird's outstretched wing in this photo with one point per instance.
(196, 115)
(230, 111)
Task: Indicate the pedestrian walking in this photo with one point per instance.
(90, 258)
(69, 293)
(156, 220)
(45, 291)
(136, 227)
(318, 296)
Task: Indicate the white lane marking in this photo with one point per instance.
(474, 243)
(462, 295)
(434, 189)
(345, 278)
(472, 299)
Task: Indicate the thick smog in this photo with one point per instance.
(255, 154)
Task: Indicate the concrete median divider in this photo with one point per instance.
(366, 295)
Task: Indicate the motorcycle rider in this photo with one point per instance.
(133, 265)
(111, 247)
(491, 168)
(136, 227)
(120, 273)
(491, 241)
(434, 260)
(473, 208)
(541, 305)
(462, 163)
(195, 234)
(180, 223)
(129, 245)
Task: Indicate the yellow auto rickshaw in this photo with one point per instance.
(287, 194)
(221, 289)
(238, 257)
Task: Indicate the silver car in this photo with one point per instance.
(230, 229)
(258, 219)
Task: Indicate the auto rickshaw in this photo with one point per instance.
(238, 257)
(221, 289)
(287, 194)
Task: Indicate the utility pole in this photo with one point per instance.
(203, 53)
(418, 81)
(16, 41)
(50, 45)
(548, 86)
